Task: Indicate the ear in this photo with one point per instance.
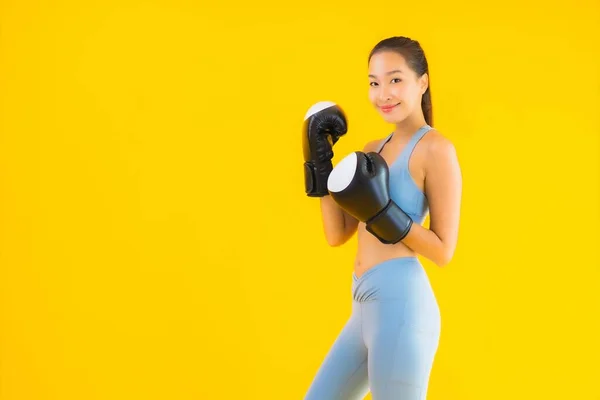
(424, 82)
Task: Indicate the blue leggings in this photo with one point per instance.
(389, 342)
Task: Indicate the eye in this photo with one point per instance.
(372, 83)
(396, 80)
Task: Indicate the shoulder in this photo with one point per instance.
(439, 149)
(373, 145)
(441, 165)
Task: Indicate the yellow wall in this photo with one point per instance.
(155, 240)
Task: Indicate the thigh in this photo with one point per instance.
(401, 350)
(343, 372)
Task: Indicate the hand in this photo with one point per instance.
(360, 185)
(324, 124)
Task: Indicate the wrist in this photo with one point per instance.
(315, 178)
(390, 225)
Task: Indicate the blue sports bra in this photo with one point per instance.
(403, 189)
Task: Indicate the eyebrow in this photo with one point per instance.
(388, 73)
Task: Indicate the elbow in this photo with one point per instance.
(338, 238)
(335, 241)
(442, 262)
(445, 257)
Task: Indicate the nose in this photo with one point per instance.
(384, 93)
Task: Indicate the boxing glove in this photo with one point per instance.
(359, 184)
(324, 123)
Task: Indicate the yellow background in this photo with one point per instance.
(155, 240)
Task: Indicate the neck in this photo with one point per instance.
(409, 125)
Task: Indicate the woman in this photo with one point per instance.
(383, 194)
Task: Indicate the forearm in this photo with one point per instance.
(427, 243)
(392, 225)
(337, 224)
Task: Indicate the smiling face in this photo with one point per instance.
(395, 90)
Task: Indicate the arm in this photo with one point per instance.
(338, 225)
(443, 187)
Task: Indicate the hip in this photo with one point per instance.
(396, 288)
(395, 278)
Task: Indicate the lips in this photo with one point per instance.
(388, 108)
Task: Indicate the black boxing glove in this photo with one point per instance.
(359, 184)
(324, 124)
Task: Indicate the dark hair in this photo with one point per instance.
(412, 51)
